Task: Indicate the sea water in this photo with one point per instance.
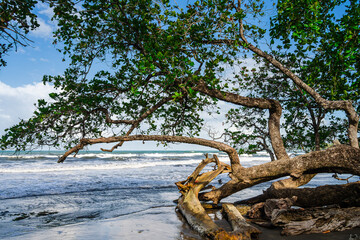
(37, 193)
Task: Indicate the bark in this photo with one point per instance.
(289, 183)
(339, 159)
(191, 208)
(317, 220)
(238, 223)
(343, 195)
(264, 210)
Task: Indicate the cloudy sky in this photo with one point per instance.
(21, 80)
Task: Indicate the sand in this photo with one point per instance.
(161, 223)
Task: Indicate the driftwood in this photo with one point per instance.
(265, 210)
(316, 220)
(343, 195)
(339, 159)
(191, 208)
(238, 223)
(300, 169)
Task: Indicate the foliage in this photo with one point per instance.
(16, 21)
(306, 125)
(156, 57)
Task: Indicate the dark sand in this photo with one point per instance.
(161, 223)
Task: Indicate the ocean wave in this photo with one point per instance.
(172, 154)
(107, 155)
(102, 155)
(110, 166)
(30, 156)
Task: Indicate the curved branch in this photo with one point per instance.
(274, 113)
(344, 105)
(326, 104)
(234, 158)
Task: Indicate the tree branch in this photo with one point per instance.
(136, 122)
(274, 113)
(234, 158)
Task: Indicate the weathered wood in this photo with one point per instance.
(347, 195)
(238, 223)
(339, 159)
(316, 220)
(195, 214)
(256, 211)
(265, 210)
(277, 204)
(189, 204)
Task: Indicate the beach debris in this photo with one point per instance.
(316, 220)
(195, 214)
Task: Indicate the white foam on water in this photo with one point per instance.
(106, 155)
(108, 166)
(172, 154)
(30, 156)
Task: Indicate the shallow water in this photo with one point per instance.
(38, 194)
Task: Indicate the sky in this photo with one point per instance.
(21, 81)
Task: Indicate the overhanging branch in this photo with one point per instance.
(234, 158)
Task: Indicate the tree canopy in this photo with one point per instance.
(17, 20)
(166, 63)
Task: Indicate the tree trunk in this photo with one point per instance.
(343, 195)
(339, 159)
(316, 220)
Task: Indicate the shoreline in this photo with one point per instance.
(161, 223)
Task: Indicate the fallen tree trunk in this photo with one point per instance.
(338, 159)
(343, 195)
(316, 220)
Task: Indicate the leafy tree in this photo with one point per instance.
(166, 63)
(305, 124)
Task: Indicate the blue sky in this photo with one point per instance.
(21, 80)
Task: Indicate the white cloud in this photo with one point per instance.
(44, 30)
(18, 102)
(45, 10)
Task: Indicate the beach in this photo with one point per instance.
(120, 195)
(160, 223)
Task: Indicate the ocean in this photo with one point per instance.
(37, 193)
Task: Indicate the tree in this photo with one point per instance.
(304, 120)
(167, 64)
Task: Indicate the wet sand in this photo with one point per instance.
(161, 223)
